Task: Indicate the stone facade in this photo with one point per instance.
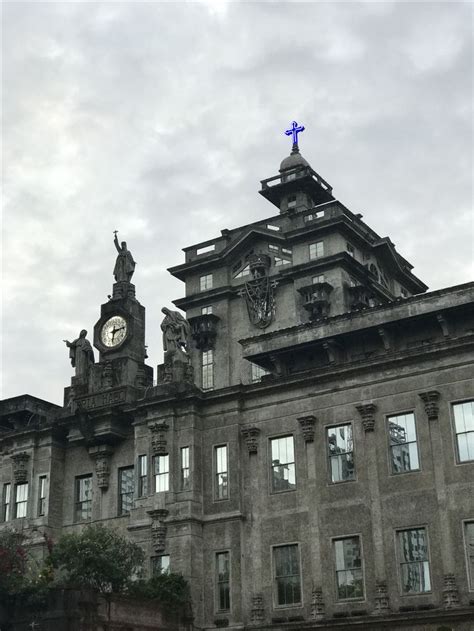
(315, 461)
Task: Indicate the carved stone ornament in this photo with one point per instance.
(307, 427)
(204, 330)
(250, 435)
(367, 414)
(159, 443)
(102, 454)
(431, 401)
(257, 613)
(382, 603)
(20, 467)
(450, 592)
(259, 291)
(317, 604)
(107, 376)
(158, 528)
(316, 299)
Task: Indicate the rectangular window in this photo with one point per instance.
(206, 249)
(315, 215)
(316, 250)
(83, 498)
(126, 488)
(464, 426)
(206, 310)
(287, 575)
(403, 444)
(469, 542)
(142, 475)
(207, 370)
(349, 573)
(42, 495)
(160, 564)
(414, 562)
(257, 372)
(7, 501)
(283, 464)
(318, 279)
(223, 581)
(341, 453)
(272, 227)
(21, 500)
(220, 464)
(185, 477)
(205, 282)
(291, 201)
(162, 473)
(273, 248)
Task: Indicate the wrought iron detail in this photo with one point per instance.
(259, 291)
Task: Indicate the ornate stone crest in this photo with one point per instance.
(259, 291)
(159, 442)
(20, 467)
(250, 435)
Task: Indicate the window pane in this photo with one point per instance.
(287, 576)
(464, 416)
(348, 561)
(223, 580)
(283, 463)
(414, 564)
(340, 450)
(469, 537)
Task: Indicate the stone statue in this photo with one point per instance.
(81, 354)
(124, 265)
(176, 330)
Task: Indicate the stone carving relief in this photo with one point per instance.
(20, 467)
(382, 603)
(450, 592)
(250, 435)
(257, 613)
(317, 604)
(159, 443)
(367, 414)
(307, 427)
(158, 528)
(431, 401)
(102, 454)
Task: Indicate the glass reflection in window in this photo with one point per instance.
(414, 561)
(341, 453)
(403, 443)
(283, 464)
(349, 573)
(464, 426)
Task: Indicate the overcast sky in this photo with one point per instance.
(160, 119)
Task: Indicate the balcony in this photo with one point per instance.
(316, 299)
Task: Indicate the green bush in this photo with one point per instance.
(171, 591)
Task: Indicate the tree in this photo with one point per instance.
(98, 558)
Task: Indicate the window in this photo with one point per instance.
(414, 562)
(316, 215)
(42, 496)
(185, 479)
(160, 564)
(207, 370)
(341, 453)
(162, 473)
(273, 248)
(316, 250)
(403, 445)
(142, 476)
(223, 581)
(469, 542)
(349, 573)
(318, 279)
(291, 201)
(283, 464)
(126, 484)
(464, 426)
(272, 227)
(21, 500)
(220, 463)
(83, 498)
(206, 249)
(205, 282)
(257, 372)
(287, 575)
(206, 310)
(287, 251)
(6, 501)
(279, 261)
(244, 272)
(350, 249)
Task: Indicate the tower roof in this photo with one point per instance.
(295, 159)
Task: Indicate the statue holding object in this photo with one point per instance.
(176, 331)
(124, 265)
(81, 354)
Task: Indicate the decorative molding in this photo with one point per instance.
(386, 338)
(20, 467)
(158, 528)
(307, 427)
(107, 376)
(102, 454)
(159, 443)
(334, 350)
(257, 613)
(450, 592)
(250, 435)
(317, 604)
(382, 602)
(367, 414)
(443, 323)
(431, 401)
(204, 330)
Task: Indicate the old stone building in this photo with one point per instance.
(304, 456)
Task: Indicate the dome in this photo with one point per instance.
(295, 159)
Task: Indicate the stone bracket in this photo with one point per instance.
(317, 604)
(257, 613)
(20, 467)
(158, 528)
(159, 442)
(382, 602)
(250, 435)
(334, 351)
(367, 414)
(307, 427)
(102, 454)
(443, 323)
(431, 401)
(450, 592)
(386, 337)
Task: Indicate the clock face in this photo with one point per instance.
(113, 331)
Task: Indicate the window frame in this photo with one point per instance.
(457, 459)
(399, 561)
(390, 461)
(42, 504)
(207, 310)
(270, 459)
(317, 256)
(152, 565)
(120, 499)
(204, 283)
(217, 610)
(470, 579)
(77, 480)
(142, 478)
(182, 485)
(25, 501)
(362, 568)
(274, 577)
(215, 473)
(6, 506)
(209, 367)
(163, 473)
(328, 456)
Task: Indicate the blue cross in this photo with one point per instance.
(294, 131)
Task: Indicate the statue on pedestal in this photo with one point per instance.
(176, 331)
(124, 265)
(81, 354)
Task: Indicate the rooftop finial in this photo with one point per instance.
(294, 131)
